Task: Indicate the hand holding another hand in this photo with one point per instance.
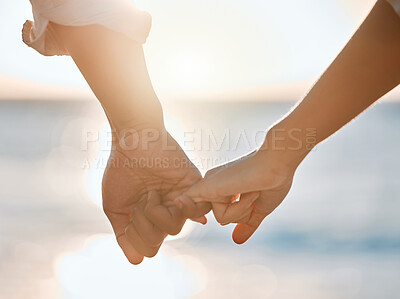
(262, 183)
(150, 191)
(144, 176)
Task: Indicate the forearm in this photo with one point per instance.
(122, 85)
(366, 69)
(115, 69)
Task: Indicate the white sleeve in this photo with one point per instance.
(118, 15)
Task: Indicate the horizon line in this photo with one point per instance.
(18, 89)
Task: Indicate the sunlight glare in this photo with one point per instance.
(189, 70)
(101, 270)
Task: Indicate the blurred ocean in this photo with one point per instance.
(337, 234)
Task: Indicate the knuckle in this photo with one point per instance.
(155, 240)
(175, 227)
(203, 209)
(151, 252)
(174, 230)
(220, 218)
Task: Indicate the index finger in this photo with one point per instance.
(235, 178)
(191, 208)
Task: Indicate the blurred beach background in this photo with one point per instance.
(225, 72)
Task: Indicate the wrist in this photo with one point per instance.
(288, 145)
(145, 124)
(148, 114)
(139, 138)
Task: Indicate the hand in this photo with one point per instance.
(144, 176)
(262, 183)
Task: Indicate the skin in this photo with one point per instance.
(138, 199)
(139, 189)
(147, 202)
(366, 69)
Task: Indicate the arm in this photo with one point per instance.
(137, 198)
(115, 69)
(367, 68)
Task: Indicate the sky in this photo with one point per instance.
(208, 45)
